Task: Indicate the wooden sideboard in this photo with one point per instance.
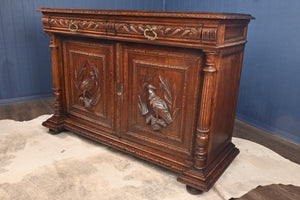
(161, 86)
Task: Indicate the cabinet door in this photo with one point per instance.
(161, 93)
(89, 81)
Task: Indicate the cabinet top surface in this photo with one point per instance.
(137, 13)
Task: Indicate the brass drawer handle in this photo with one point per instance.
(150, 37)
(73, 27)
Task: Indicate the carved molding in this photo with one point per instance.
(159, 111)
(87, 83)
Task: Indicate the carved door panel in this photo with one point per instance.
(89, 81)
(161, 90)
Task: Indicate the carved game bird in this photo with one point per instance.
(87, 85)
(158, 106)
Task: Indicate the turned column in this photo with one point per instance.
(208, 89)
(55, 123)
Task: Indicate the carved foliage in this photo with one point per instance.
(194, 32)
(82, 24)
(87, 82)
(161, 30)
(167, 31)
(159, 110)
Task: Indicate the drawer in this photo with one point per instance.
(78, 25)
(159, 31)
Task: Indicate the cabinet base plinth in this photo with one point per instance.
(55, 125)
(204, 179)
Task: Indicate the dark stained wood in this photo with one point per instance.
(161, 86)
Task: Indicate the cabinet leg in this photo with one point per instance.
(55, 125)
(193, 191)
(55, 131)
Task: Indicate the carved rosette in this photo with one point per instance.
(87, 82)
(202, 135)
(159, 110)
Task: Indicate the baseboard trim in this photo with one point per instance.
(278, 132)
(24, 99)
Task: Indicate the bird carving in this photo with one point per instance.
(159, 111)
(88, 84)
(86, 87)
(159, 106)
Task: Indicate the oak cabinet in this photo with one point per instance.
(161, 86)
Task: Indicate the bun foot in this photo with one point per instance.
(193, 191)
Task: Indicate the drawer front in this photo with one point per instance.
(89, 82)
(161, 91)
(157, 31)
(78, 25)
(195, 33)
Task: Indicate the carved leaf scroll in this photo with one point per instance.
(87, 83)
(162, 30)
(82, 24)
(159, 111)
(189, 31)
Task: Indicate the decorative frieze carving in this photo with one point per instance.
(82, 24)
(161, 30)
(193, 32)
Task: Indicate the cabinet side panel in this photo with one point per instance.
(224, 103)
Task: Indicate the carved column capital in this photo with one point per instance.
(53, 45)
(210, 61)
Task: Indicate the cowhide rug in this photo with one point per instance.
(38, 165)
